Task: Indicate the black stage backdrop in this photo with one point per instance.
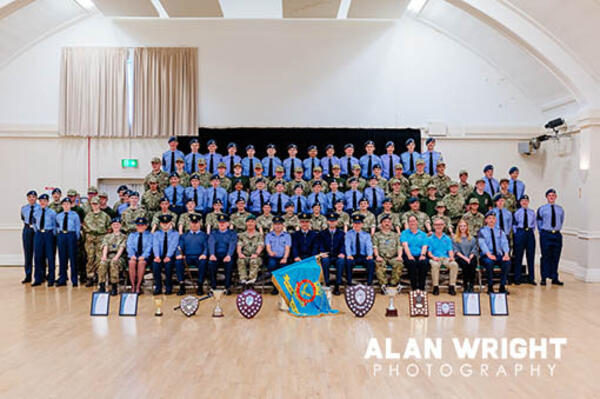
(302, 137)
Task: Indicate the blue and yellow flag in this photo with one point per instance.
(300, 286)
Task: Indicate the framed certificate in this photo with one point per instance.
(129, 304)
(499, 304)
(100, 304)
(471, 305)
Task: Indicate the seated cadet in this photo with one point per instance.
(420, 178)
(133, 212)
(414, 242)
(359, 249)
(504, 217)
(43, 242)
(139, 252)
(169, 156)
(164, 247)
(464, 188)
(212, 219)
(103, 197)
(441, 253)
(353, 196)
(491, 184)
(305, 242)
(331, 246)
(250, 245)
(397, 196)
(440, 208)
(27, 212)
(388, 251)
(399, 176)
(278, 178)
(249, 161)
(161, 177)
(524, 241)
(278, 244)
(381, 181)
(333, 195)
(429, 202)
(212, 158)
(455, 203)
(550, 219)
(238, 194)
(515, 186)
(336, 175)
(423, 222)
(510, 202)
(56, 205)
(441, 179)
(197, 193)
(164, 210)
(151, 199)
(238, 218)
(318, 177)
(329, 160)
(484, 199)
(374, 195)
(475, 220)
(356, 173)
(298, 180)
(184, 178)
(279, 198)
(231, 159)
(222, 243)
(389, 160)
(224, 181)
(271, 161)
(215, 192)
(410, 158)
(291, 222)
(259, 197)
(299, 200)
(175, 194)
(183, 224)
(465, 253)
(193, 251)
(291, 162)
(343, 219)
(113, 246)
(369, 223)
(369, 160)
(493, 246)
(318, 222)
(317, 197)
(68, 226)
(237, 176)
(348, 161)
(258, 175)
(95, 226)
(265, 220)
(191, 159)
(431, 157)
(388, 213)
(203, 174)
(310, 163)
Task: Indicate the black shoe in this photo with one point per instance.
(36, 284)
(490, 289)
(557, 282)
(274, 292)
(169, 291)
(336, 290)
(27, 279)
(181, 290)
(113, 290)
(436, 290)
(227, 292)
(451, 290)
(531, 282)
(517, 282)
(60, 284)
(543, 282)
(156, 292)
(102, 287)
(89, 283)
(50, 283)
(200, 290)
(503, 290)
(75, 285)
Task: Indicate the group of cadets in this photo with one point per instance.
(211, 211)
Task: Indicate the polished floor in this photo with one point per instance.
(51, 348)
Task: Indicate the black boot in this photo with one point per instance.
(557, 282)
(181, 289)
(200, 290)
(89, 282)
(275, 291)
(27, 279)
(336, 290)
(102, 287)
(436, 290)
(490, 289)
(451, 290)
(113, 290)
(503, 290)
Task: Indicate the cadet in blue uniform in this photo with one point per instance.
(193, 249)
(331, 245)
(291, 162)
(504, 217)
(329, 160)
(389, 160)
(258, 197)
(271, 161)
(305, 242)
(222, 243)
(175, 194)
(348, 160)
(214, 193)
(369, 160)
(43, 242)
(278, 244)
(139, 250)
(279, 199)
(524, 241)
(359, 250)
(250, 161)
(197, 193)
(550, 219)
(311, 162)
(515, 186)
(299, 200)
(431, 156)
(169, 156)
(493, 246)
(164, 245)
(68, 226)
(317, 196)
(212, 158)
(191, 159)
(231, 159)
(491, 184)
(27, 216)
(374, 195)
(410, 158)
(352, 196)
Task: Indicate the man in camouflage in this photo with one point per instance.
(222, 173)
(510, 202)
(420, 178)
(298, 173)
(291, 223)
(95, 226)
(265, 220)
(212, 222)
(151, 198)
(441, 179)
(369, 222)
(396, 195)
(279, 178)
(484, 199)
(238, 218)
(183, 224)
(475, 219)
(160, 175)
(249, 248)
(113, 246)
(393, 216)
(422, 219)
(133, 212)
(362, 182)
(258, 174)
(318, 177)
(398, 176)
(56, 205)
(464, 188)
(440, 208)
(455, 203)
(318, 222)
(203, 175)
(184, 177)
(387, 251)
(92, 192)
(164, 210)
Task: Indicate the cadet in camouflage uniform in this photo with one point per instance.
(212, 222)
(184, 177)
(133, 212)
(396, 195)
(318, 177)
(92, 192)
(237, 220)
(484, 199)
(428, 203)
(441, 179)
(335, 174)
(381, 181)
(203, 174)
(258, 174)
(422, 219)
(369, 221)
(279, 171)
(151, 199)
(475, 219)
(160, 175)
(398, 176)
(343, 220)
(95, 225)
(164, 210)
(388, 213)
(250, 245)
(225, 181)
(55, 205)
(420, 178)
(510, 202)
(387, 250)
(291, 223)
(265, 220)
(237, 176)
(183, 224)
(113, 246)
(455, 203)
(440, 208)
(298, 173)
(318, 222)
(464, 188)
(362, 183)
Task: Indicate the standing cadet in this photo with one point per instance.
(396, 195)
(175, 193)
(164, 210)
(222, 243)
(27, 216)
(197, 193)
(420, 178)
(515, 186)
(353, 196)
(464, 188)
(212, 158)
(237, 194)
(164, 247)
(43, 242)
(131, 214)
(369, 160)
(524, 241)
(231, 159)
(92, 192)
(318, 222)
(68, 226)
(249, 250)
(317, 197)
(56, 205)
(265, 220)
(494, 250)
(348, 161)
(329, 161)
(299, 200)
(103, 201)
(491, 184)
(431, 157)
(484, 199)
(333, 195)
(193, 251)
(440, 208)
(161, 177)
(121, 207)
(455, 203)
(238, 218)
(369, 222)
(430, 201)
(510, 202)
(279, 198)
(356, 173)
(305, 242)
(278, 178)
(387, 251)
(113, 246)
(191, 159)
(475, 220)
(238, 177)
(343, 221)
(504, 217)
(249, 161)
(203, 174)
(95, 225)
(331, 245)
(215, 193)
(410, 158)
(139, 250)
(399, 176)
(393, 216)
(318, 177)
(291, 162)
(389, 160)
(310, 163)
(550, 219)
(121, 193)
(359, 250)
(225, 181)
(337, 177)
(441, 253)
(259, 197)
(374, 195)
(271, 161)
(170, 156)
(298, 180)
(423, 222)
(278, 244)
(184, 178)
(183, 224)
(151, 198)
(441, 179)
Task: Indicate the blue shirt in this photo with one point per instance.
(274, 162)
(194, 244)
(26, 212)
(49, 220)
(364, 164)
(519, 219)
(520, 188)
(132, 244)
(276, 199)
(364, 239)
(439, 247)
(199, 198)
(325, 161)
(321, 198)
(122, 207)
(73, 222)
(255, 204)
(303, 203)
(289, 164)
(407, 167)
(350, 197)
(227, 159)
(234, 197)
(488, 187)
(507, 218)
(435, 157)
(216, 158)
(221, 194)
(484, 237)
(344, 164)
(178, 191)
(415, 241)
(375, 196)
(386, 159)
(191, 162)
(166, 160)
(331, 201)
(222, 243)
(278, 242)
(248, 165)
(544, 217)
(308, 164)
(158, 242)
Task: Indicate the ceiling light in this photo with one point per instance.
(344, 8)
(87, 4)
(162, 13)
(415, 6)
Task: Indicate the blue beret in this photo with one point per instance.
(369, 142)
(194, 141)
(211, 142)
(165, 218)
(289, 147)
(172, 139)
(298, 185)
(488, 167)
(230, 145)
(260, 180)
(412, 200)
(116, 220)
(31, 192)
(240, 200)
(194, 176)
(163, 199)
(349, 145)
(525, 196)
(316, 204)
(271, 145)
(498, 196)
(56, 190)
(249, 147)
(189, 200)
(389, 144)
(329, 146)
(312, 147)
(277, 219)
(512, 170)
(174, 174)
(316, 183)
(217, 201)
(288, 204)
(223, 218)
(141, 220)
(407, 142)
(550, 190)
(385, 217)
(352, 179)
(430, 140)
(363, 199)
(44, 196)
(386, 199)
(122, 187)
(332, 216)
(490, 213)
(339, 200)
(66, 199)
(215, 177)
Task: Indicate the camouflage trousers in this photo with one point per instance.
(112, 267)
(93, 249)
(244, 264)
(381, 270)
(435, 270)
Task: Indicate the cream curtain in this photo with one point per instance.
(93, 97)
(165, 91)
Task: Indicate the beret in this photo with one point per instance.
(141, 220)
(172, 139)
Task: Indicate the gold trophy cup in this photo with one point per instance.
(218, 311)
(391, 310)
(158, 304)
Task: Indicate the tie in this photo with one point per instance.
(298, 205)
(431, 163)
(172, 162)
(501, 220)
(251, 167)
(354, 201)
(279, 210)
(174, 196)
(493, 242)
(165, 245)
(140, 247)
(238, 196)
(370, 165)
(411, 167)
(390, 166)
(30, 215)
(214, 196)
(317, 199)
(330, 167)
(525, 221)
(43, 219)
(349, 167)
(334, 200)
(357, 245)
(193, 163)
(491, 187)
(374, 198)
(211, 164)
(552, 222)
(270, 170)
(231, 164)
(66, 222)
(262, 199)
(312, 166)
(515, 190)
(196, 197)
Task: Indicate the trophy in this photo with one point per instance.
(249, 303)
(359, 299)
(218, 311)
(158, 304)
(391, 310)
(189, 304)
(418, 304)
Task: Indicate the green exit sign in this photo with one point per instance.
(129, 163)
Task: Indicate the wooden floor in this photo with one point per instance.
(51, 347)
